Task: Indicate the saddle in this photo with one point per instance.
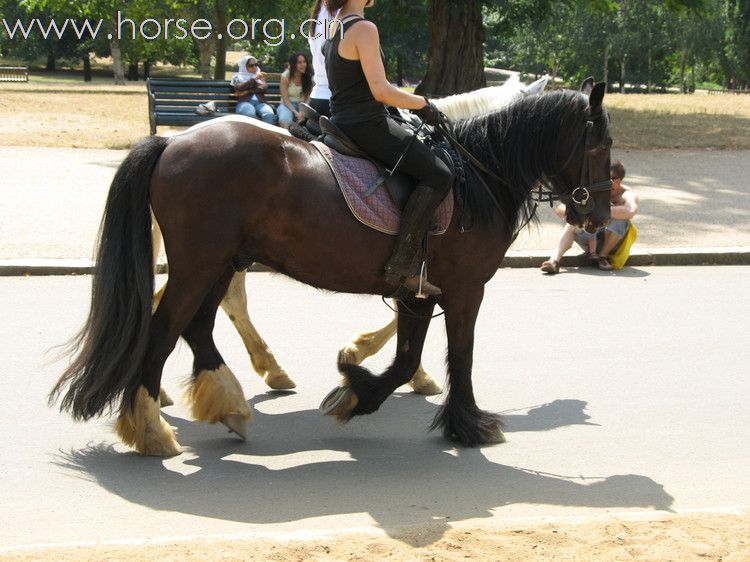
(398, 185)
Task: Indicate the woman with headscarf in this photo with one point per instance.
(250, 86)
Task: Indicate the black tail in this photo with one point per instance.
(112, 344)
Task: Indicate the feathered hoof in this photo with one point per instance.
(350, 355)
(495, 436)
(279, 380)
(165, 399)
(424, 384)
(339, 403)
(143, 428)
(236, 423)
(216, 396)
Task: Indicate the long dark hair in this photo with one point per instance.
(316, 9)
(307, 77)
(334, 5)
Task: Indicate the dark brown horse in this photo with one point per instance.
(234, 193)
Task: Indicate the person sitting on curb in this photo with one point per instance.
(624, 206)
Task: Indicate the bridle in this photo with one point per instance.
(580, 197)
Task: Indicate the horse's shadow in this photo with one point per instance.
(383, 467)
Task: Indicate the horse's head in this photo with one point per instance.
(588, 203)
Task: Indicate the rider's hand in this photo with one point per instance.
(430, 114)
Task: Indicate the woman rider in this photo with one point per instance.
(359, 92)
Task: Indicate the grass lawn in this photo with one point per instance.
(59, 109)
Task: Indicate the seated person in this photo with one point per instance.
(296, 85)
(250, 85)
(624, 206)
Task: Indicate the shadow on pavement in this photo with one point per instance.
(383, 466)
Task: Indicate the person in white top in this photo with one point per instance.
(321, 93)
(296, 85)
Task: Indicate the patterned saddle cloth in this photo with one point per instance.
(376, 210)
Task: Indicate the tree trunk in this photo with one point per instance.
(117, 69)
(206, 48)
(86, 68)
(221, 41)
(146, 69)
(606, 63)
(455, 62)
(399, 71)
(683, 88)
(51, 66)
(133, 71)
(623, 62)
(649, 63)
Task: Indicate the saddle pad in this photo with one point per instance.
(355, 175)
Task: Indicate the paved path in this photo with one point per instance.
(657, 422)
(51, 200)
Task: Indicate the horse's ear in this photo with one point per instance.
(597, 95)
(587, 85)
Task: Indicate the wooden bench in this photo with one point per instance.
(173, 101)
(14, 74)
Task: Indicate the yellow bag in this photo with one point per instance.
(621, 255)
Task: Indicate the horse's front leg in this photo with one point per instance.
(459, 418)
(369, 343)
(263, 361)
(363, 392)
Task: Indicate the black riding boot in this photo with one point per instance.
(404, 266)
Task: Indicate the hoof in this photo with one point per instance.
(495, 437)
(143, 428)
(216, 396)
(349, 356)
(165, 399)
(339, 403)
(424, 384)
(279, 381)
(236, 423)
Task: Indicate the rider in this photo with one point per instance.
(359, 91)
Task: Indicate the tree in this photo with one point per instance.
(455, 61)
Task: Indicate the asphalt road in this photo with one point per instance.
(622, 392)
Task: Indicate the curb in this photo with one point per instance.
(653, 256)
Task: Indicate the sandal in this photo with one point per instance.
(603, 264)
(551, 267)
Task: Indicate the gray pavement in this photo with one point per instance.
(655, 422)
(695, 208)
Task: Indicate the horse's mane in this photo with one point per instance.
(486, 100)
(519, 143)
(480, 102)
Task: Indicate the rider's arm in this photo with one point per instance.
(628, 209)
(366, 39)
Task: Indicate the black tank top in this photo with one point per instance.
(351, 98)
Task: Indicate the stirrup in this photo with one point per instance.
(421, 287)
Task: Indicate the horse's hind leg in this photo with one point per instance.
(368, 344)
(363, 392)
(156, 244)
(263, 361)
(215, 394)
(141, 425)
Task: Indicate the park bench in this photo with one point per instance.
(14, 74)
(173, 101)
